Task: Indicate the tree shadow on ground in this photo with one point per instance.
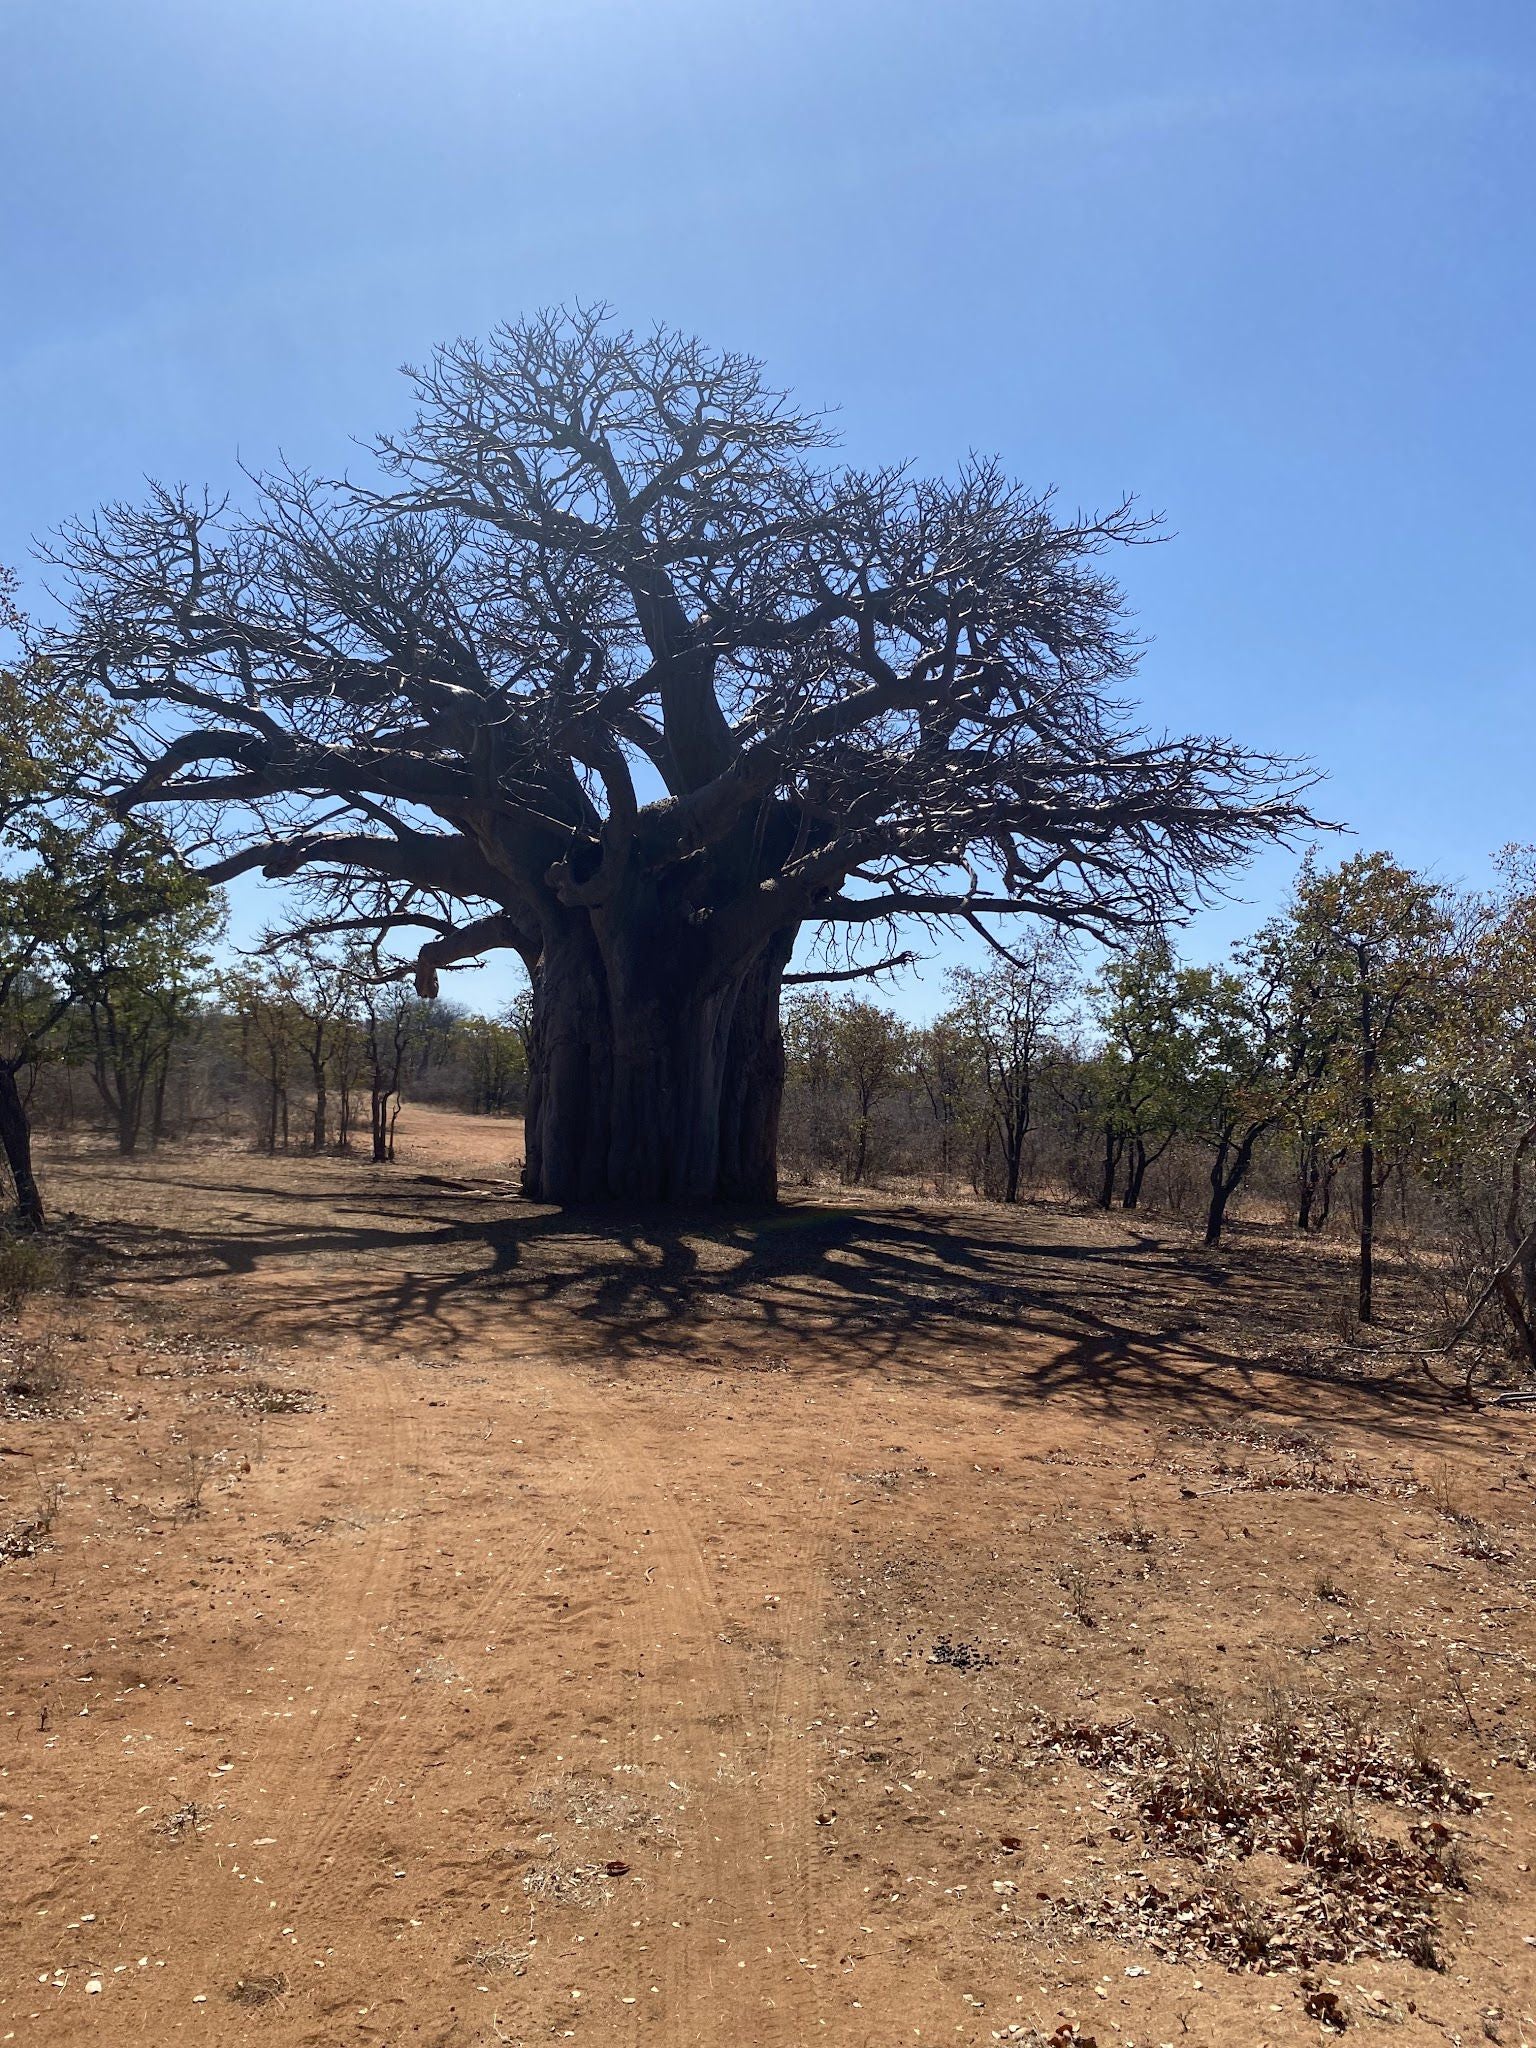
(1015, 1305)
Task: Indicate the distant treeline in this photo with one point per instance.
(288, 1058)
(1366, 1060)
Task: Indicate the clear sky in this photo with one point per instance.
(1271, 266)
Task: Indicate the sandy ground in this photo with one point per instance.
(428, 1619)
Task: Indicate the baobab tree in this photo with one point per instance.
(609, 664)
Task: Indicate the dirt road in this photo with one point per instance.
(454, 1624)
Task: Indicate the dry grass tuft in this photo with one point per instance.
(1309, 1785)
(29, 1265)
(184, 1823)
(27, 1536)
(257, 1991)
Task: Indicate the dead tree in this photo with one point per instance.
(611, 666)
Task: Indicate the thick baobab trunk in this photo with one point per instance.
(653, 1078)
(16, 1140)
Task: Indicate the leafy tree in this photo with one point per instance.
(1379, 939)
(271, 1024)
(847, 1056)
(944, 1061)
(870, 1053)
(394, 1024)
(1481, 1134)
(1008, 1014)
(493, 1052)
(322, 1025)
(136, 979)
(1143, 1055)
(810, 1039)
(74, 887)
(31, 1006)
(613, 667)
(1235, 1086)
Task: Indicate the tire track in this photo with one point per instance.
(405, 1721)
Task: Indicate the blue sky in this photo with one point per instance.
(1273, 267)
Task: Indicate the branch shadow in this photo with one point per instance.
(1018, 1306)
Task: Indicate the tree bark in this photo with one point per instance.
(1141, 1160)
(1013, 1128)
(318, 1121)
(1366, 1303)
(157, 1104)
(654, 1076)
(130, 1109)
(16, 1140)
(1114, 1144)
(1229, 1169)
(378, 1114)
(1308, 1180)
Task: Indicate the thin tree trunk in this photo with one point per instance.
(1308, 1173)
(1226, 1179)
(317, 1127)
(1142, 1161)
(1367, 1157)
(16, 1139)
(861, 1148)
(130, 1108)
(157, 1107)
(1215, 1214)
(1113, 1146)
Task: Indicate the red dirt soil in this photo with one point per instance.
(455, 1623)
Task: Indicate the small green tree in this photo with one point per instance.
(136, 985)
(394, 1023)
(1142, 1057)
(845, 1056)
(492, 1050)
(1235, 1086)
(1481, 1088)
(1379, 942)
(75, 886)
(270, 1023)
(944, 1060)
(870, 1054)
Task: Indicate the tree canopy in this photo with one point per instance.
(610, 664)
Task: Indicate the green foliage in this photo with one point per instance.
(849, 1054)
(496, 1059)
(1369, 952)
(136, 958)
(98, 919)
(1479, 1140)
(1138, 1077)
